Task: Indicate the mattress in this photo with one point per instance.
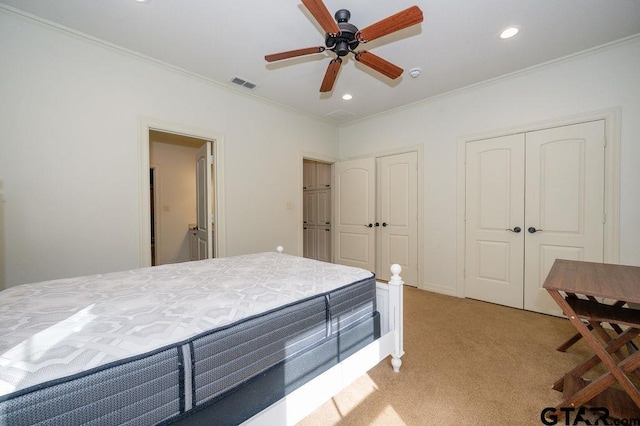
(154, 345)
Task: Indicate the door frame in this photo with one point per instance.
(313, 157)
(145, 124)
(153, 170)
(611, 119)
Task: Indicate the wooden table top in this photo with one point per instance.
(616, 282)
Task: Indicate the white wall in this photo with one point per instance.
(608, 78)
(69, 160)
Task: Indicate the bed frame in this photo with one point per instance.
(304, 400)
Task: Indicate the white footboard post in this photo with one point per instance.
(396, 308)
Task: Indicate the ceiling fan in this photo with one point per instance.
(343, 38)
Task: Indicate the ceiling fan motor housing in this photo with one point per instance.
(344, 42)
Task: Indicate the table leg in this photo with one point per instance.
(624, 338)
(614, 370)
(570, 342)
(606, 338)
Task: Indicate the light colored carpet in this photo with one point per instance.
(467, 363)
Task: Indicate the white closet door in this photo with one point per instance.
(564, 203)
(550, 184)
(494, 213)
(398, 216)
(354, 213)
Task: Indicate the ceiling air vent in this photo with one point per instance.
(340, 115)
(244, 83)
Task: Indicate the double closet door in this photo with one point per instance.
(376, 214)
(532, 198)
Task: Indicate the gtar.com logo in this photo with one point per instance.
(569, 416)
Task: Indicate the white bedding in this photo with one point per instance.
(62, 327)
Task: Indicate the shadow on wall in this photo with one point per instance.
(2, 256)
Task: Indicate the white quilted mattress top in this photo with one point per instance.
(56, 328)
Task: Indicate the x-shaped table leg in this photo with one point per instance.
(617, 372)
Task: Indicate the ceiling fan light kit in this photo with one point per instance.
(343, 38)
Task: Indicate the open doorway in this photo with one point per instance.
(174, 198)
(316, 208)
(177, 138)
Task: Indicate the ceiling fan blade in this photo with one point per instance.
(330, 75)
(377, 63)
(391, 24)
(293, 53)
(322, 15)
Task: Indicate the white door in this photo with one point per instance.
(355, 198)
(550, 185)
(204, 211)
(564, 204)
(398, 216)
(494, 243)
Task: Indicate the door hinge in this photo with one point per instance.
(605, 142)
(210, 159)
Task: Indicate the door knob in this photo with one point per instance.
(369, 225)
(385, 224)
(377, 224)
(517, 229)
(533, 230)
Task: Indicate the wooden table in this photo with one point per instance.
(592, 294)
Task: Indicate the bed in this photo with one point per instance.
(255, 339)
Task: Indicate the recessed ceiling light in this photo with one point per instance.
(509, 32)
(347, 97)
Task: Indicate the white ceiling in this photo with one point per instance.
(457, 45)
